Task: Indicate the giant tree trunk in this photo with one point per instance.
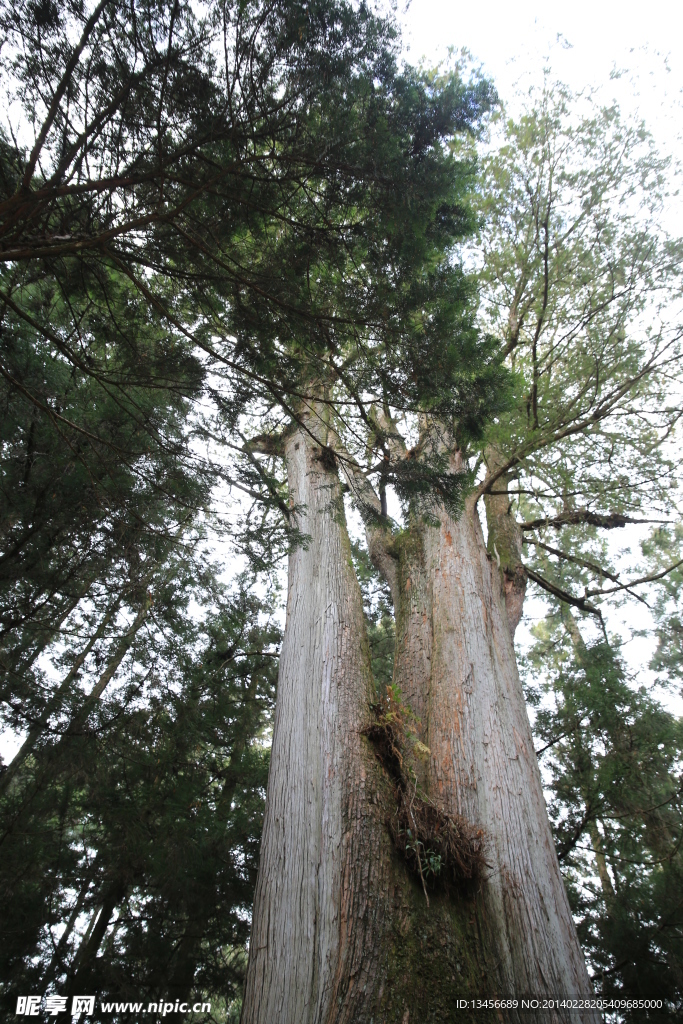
(483, 764)
(342, 932)
(315, 938)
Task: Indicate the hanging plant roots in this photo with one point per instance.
(438, 847)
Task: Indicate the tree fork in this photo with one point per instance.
(341, 932)
(341, 929)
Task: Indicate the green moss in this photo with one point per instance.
(407, 548)
(435, 957)
(504, 540)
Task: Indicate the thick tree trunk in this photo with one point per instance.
(342, 932)
(483, 765)
(314, 943)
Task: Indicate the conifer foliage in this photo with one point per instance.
(130, 835)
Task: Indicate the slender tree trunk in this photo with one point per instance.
(55, 965)
(83, 978)
(580, 653)
(48, 764)
(178, 980)
(22, 658)
(37, 728)
(342, 931)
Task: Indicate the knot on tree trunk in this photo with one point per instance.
(440, 848)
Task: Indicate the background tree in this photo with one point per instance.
(130, 843)
(95, 475)
(613, 756)
(579, 279)
(292, 212)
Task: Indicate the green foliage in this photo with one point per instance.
(578, 277)
(149, 815)
(94, 468)
(613, 759)
(292, 207)
(663, 550)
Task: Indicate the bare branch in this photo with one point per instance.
(634, 583)
(578, 602)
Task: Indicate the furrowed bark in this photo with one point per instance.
(454, 644)
(341, 932)
(314, 945)
(341, 929)
(505, 542)
(483, 766)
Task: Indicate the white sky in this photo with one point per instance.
(583, 43)
(585, 40)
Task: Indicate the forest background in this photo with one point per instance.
(139, 679)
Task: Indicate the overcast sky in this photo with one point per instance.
(584, 42)
(512, 38)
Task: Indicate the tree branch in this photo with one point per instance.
(612, 521)
(377, 524)
(577, 602)
(61, 89)
(634, 583)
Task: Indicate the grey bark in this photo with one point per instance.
(314, 944)
(504, 541)
(483, 766)
(341, 931)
